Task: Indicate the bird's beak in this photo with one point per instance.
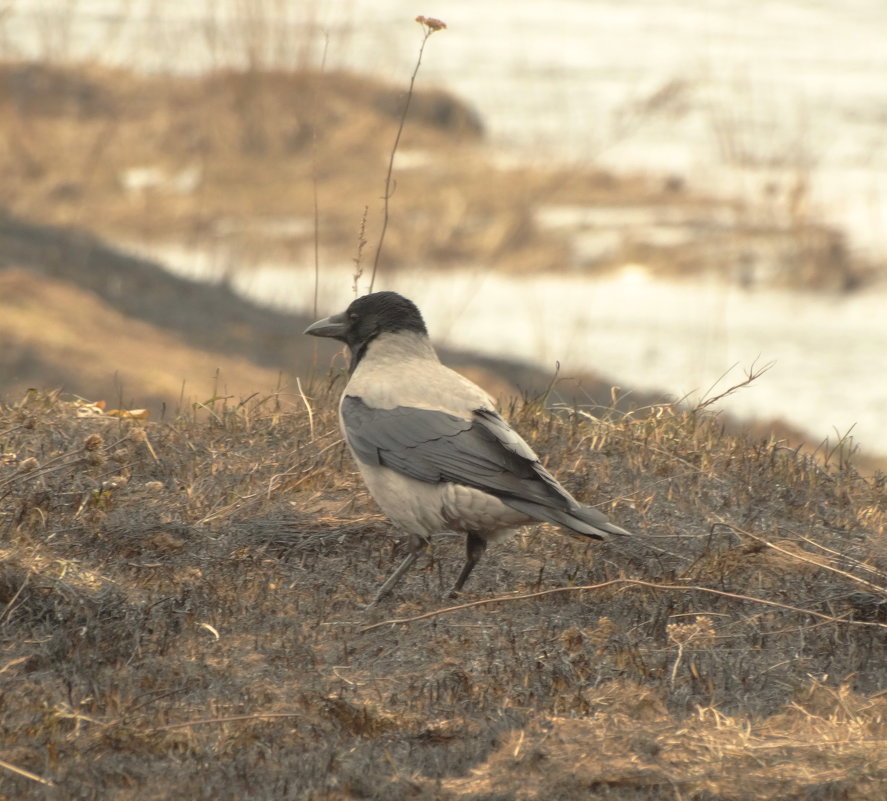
(333, 327)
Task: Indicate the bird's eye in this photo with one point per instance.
(354, 317)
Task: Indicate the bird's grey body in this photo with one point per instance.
(432, 449)
(417, 382)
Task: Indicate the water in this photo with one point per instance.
(784, 96)
(689, 339)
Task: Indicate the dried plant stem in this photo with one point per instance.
(677, 663)
(430, 26)
(55, 464)
(11, 603)
(621, 583)
(806, 559)
(307, 407)
(361, 244)
(753, 373)
(26, 773)
(314, 179)
(228, 719)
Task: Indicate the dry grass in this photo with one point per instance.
(180, 616)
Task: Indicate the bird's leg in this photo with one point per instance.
(475, 546)
(417, 545)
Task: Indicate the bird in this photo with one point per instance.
(432, 449)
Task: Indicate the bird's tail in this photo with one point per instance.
(580, 519)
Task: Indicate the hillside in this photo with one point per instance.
(79, 315)
(181, 612)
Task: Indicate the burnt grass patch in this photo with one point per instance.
(182, 615)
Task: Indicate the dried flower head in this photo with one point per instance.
(27, 465)
(93, 442)
(138, 435)
(573, 638)
(431, 23)
(95, 458)
(701, 632)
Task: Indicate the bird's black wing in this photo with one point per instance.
(482, 452)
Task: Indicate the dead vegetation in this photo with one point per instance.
(234, 162)
(181, 616)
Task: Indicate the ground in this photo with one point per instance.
(182, 614)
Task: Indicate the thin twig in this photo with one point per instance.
(361, 244)
(307, 406)
(229, 719)
(752, 374)
(623, 583)
(430, 26)
(856, 562)
(18, 592)
(26, 773)
(802, 558)
(314, 180)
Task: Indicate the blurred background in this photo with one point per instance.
(659, 198)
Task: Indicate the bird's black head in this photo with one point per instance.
(366, 318)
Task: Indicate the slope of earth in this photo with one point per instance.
(181, 615)
(96, 322)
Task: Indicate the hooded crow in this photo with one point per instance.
(433, 451)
